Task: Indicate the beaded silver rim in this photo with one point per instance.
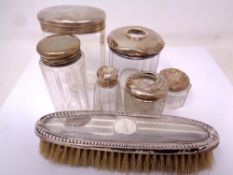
(203, 145)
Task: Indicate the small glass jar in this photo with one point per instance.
(107, 90)
(145, 92)
(88, 23)
(62, 65)
(179, 86)
(132, 49)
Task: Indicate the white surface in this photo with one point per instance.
(210, 100)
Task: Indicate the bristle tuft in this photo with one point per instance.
(111, 161)
(125, 163)
(146, 163)
(118, 161)
(97, 160)
(139, 163)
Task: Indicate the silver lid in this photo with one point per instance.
(107, 76)
(135, 42)
(72, 19)
(59, 50)
(147, 86)
(127, 132)
(177, 79)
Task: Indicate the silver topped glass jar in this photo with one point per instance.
(88, 23)
(134, 48)
(179, 86)
(62, 65)
(145, 92)
(107, 95)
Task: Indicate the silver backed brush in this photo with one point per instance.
(129, 133)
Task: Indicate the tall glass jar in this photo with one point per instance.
(134, 48)
(88, 23)
(179, 86)
(145, 92)
(62, 65)
(107, 96)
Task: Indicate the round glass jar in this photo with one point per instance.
(179, 86)
(88, 23)
(145, 92)
(132, 49)
(63, 68)
(107, 95)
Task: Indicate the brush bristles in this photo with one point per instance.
(182, 164)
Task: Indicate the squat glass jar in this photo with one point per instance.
(145, 92)
(88, 23)
(63, 68)
(179, 86)
(134, 48)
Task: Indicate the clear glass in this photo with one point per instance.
(127, 67)
(67, 85)
(132, 104)
(107, 98)
(176, 99)
(93, 46)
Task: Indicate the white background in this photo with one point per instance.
(207, 23)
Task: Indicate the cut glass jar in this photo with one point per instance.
(179, 86)
(107, 95)
(88, 23)
(145, 92)
(62, 65)
(132, 49)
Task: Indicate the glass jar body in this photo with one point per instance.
(93, 46)
(176, 100)
(132, 104)
(67, 85)
(107, 98)
(128, 66)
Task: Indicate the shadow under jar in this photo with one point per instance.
(179, 86)
(132, 49)
(63, 68)
(88, 23)
(145, 92)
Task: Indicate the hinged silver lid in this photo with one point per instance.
(135, 42)
(72, 19)
(147, 86)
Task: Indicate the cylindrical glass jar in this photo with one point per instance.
(145, 92)
(134, 48)
(88, 23)
(179, 86)
(62, 65)
(107, 90)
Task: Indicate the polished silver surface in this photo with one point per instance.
(72, 19)
(127, 132)
(135, 42)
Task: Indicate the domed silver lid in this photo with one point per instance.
(72, 19)
(177, 79)
(135, 42)
(107, 76)
(147, 86)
